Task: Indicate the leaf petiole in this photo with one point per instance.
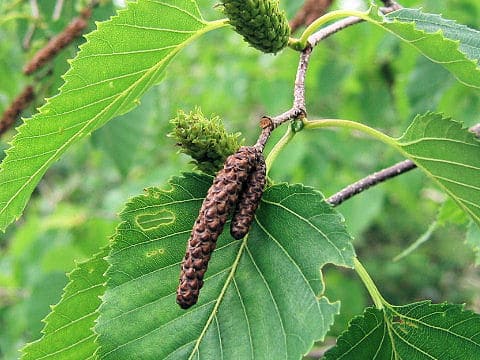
(377, 298)
(323, 123)
(313, 27)
(285, 139)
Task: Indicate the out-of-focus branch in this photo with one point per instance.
(11, 114)
(27, 39)
(56, 44)
(476, 130)
(311, 10)
(57, 11)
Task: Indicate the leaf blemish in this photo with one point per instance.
(151, 221)
(155, 252)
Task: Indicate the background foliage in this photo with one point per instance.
(377, 81)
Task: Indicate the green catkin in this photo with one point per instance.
(260, 22)
(203, 139)
(221, 198)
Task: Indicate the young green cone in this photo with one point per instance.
(205, 140)
(261, 23)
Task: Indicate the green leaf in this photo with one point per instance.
(415, 331)
(68, 328)
(263, 291)
(449, 154)
(456, 47)
(123, 58)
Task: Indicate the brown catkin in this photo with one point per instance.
(221, 198)
(16, 107)
(249, 200)
(55, 45)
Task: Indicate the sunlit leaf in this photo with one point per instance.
(122, 59)
(456, 47)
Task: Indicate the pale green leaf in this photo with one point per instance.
(123, 58)
(121, 138)
(415, 331)
(450, 155)
(456, 47)
(449, 213)
(68, 333)
(427, 235)
(262, 294)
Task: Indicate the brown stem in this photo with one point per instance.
(380, 176)
(331, 29)
(370, 180)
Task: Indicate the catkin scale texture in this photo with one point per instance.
(221, 198)
(261, 23)
(249, 200)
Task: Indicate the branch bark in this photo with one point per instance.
(371, 180)
(298, 109)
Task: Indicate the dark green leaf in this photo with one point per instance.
(416, 331)
(263, 292)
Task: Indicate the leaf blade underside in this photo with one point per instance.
(121, 60)
(449, 154)
(454, 46)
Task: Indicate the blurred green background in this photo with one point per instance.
(360, 74)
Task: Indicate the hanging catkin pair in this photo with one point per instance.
(249, 200)
(239, 178)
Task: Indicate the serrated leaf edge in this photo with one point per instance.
(379, 19)
(45, 320)
(208, 26)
